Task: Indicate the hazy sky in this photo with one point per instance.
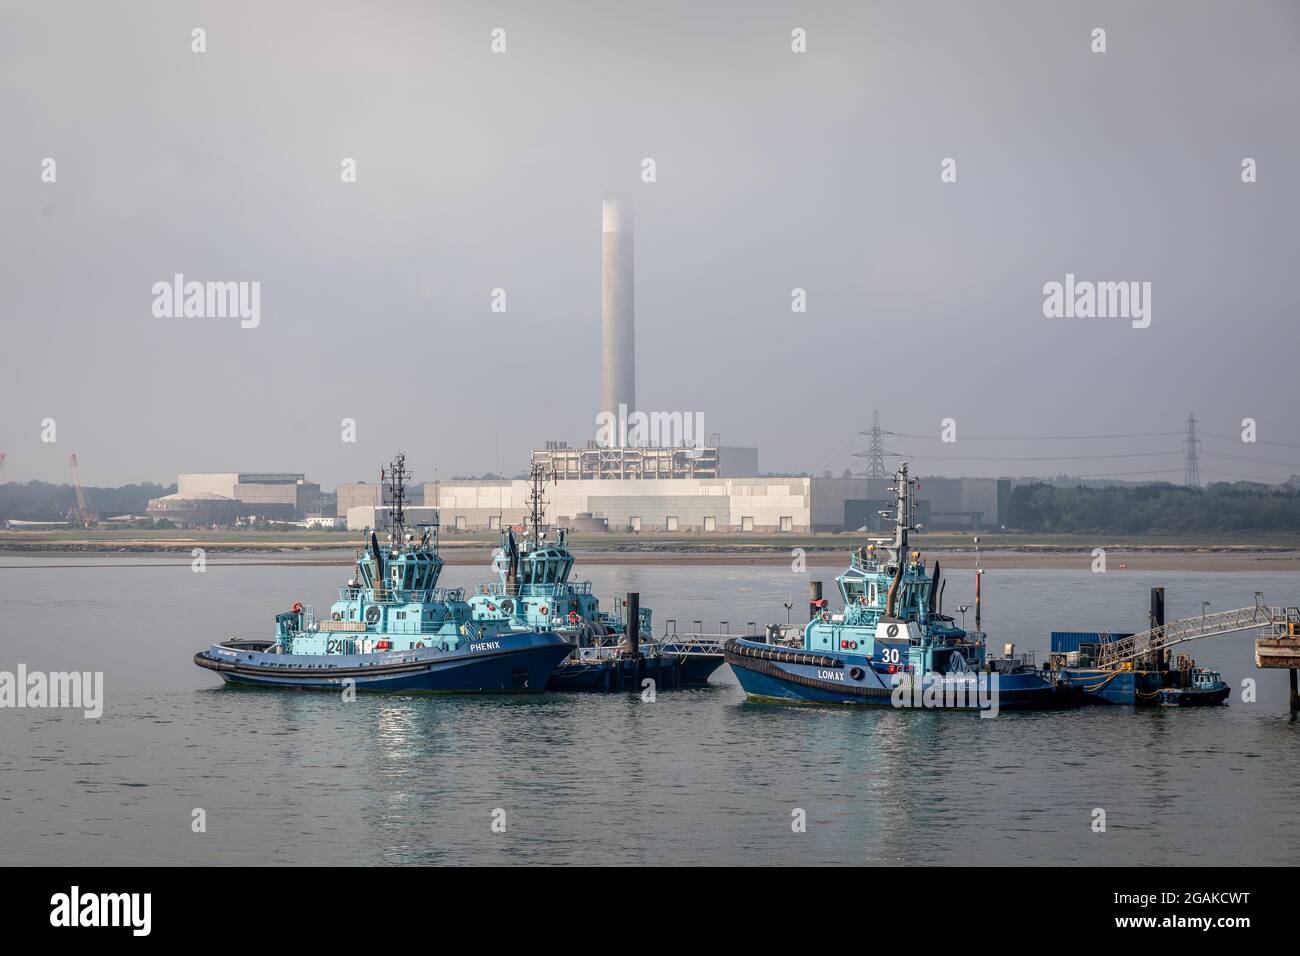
(775, 170)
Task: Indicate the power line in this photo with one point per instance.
(1045, 437)
(1192, 461)
(1140, 454)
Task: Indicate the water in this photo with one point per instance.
(696, 777)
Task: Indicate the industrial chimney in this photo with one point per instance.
(617, 323)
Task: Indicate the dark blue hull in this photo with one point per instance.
(520, 664)
(696, 668)
(791, 676)
(609, 674)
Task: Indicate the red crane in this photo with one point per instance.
(81, 514)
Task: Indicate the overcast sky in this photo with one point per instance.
(775, 170)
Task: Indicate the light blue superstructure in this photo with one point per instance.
(891, 631)
(393, 628)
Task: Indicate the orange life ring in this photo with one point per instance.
(542, 610)
(297, 607)
(574, 617)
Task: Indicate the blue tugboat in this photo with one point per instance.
(892, 644)
(608, 652)
(393, 629)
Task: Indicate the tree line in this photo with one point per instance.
(1159, 508)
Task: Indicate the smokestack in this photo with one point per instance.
(617, 324)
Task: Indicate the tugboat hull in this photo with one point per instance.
(1193, 697)
(517, 663)
(615, 674)
(793, 676)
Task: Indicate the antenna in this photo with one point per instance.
(397, 479)
(536, 500)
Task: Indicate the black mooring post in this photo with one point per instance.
(633, 624)
(1158, 620)
(1295, 695)
(814, 598)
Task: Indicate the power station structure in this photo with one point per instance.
(617, 309)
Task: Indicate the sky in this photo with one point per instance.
(774, 170)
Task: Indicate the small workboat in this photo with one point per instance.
(892, 645)
(393, 629)
(1193, 686)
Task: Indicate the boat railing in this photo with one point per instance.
(694, 643)
(390, 596)
(498, 589)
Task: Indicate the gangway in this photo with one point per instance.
(1146, 645)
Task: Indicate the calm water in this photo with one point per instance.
(696, 777)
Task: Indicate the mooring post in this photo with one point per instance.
(1157, 620)
(633, 649)
(1295, 696)
(814, 598)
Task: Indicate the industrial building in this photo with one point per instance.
(942, 504)
(359, 494)
(375, 517)
(647, 504)
(223, 498)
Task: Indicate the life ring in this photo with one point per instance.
(574, 617)
(542, 610)
(336, 616)
(297, 607)
(491, 606)
(419, 645)
(826, 616)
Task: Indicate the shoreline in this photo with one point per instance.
(1154, 558)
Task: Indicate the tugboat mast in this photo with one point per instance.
(903, 520)
(536, 501)
(397, 479)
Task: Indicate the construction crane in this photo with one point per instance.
(81, 514)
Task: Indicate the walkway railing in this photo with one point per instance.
(1144, 643)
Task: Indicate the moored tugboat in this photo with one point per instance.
(1193, 686)
(892, 645)
(608, 651)
(393, 629)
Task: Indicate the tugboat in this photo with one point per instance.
(892, 644)
(1193, 686)
(608, 651)
(393, 629)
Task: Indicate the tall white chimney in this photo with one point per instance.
(617, 322)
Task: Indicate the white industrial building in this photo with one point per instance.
(656, 504)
